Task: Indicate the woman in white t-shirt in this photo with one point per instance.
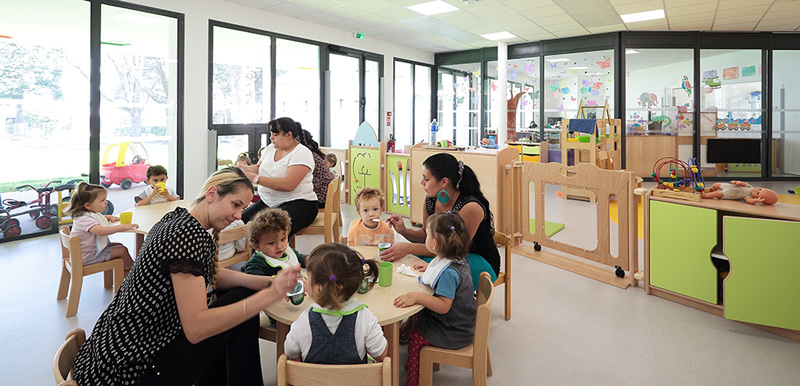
(284, 176)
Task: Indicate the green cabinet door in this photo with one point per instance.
(681, 239)
(764, 282)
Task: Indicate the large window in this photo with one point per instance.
(521, 97)
(297, 84)
(659, 104)
(44, 107)
(412, 103)
(731, 108)
(241, 83)
(345, 98)
(786, 113)
(459, 101)
(138, 110)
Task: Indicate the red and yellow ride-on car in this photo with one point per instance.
(124, 164)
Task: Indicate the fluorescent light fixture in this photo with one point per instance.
(579, 68)
(136, 18)
(499, 36)
(558, 60)
(433, 8)
(642, 16)
(629, 51)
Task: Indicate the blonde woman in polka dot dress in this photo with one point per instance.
(160, 329)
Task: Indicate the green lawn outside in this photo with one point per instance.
(6, 187)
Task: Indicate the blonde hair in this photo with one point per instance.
(226, 180)
(339, 270)
(84, 193)
(267, 221)
(450, 231)
(243, 157)
(367, 193)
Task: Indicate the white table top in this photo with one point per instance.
(148, 215)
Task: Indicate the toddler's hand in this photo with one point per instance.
(421, 266)
(405, 300)
(128, 227)
(112, 218)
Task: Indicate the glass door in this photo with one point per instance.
(353, 96)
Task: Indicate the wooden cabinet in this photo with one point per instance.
(680, 255)
(761, 245)
(763, 284)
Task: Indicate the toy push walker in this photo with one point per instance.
(687, 186)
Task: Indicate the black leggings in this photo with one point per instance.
(229, 358)
(302, 213)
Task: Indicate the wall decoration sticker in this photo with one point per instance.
(730, 73)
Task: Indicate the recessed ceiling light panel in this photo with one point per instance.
(433, 8)
(642, 16)
(499, 36)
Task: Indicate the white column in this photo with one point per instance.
(502, 93)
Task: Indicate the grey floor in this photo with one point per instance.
(565, 329)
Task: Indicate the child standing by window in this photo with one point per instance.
(91, 226)
(336, 329)
(369, 230)
(448, 320)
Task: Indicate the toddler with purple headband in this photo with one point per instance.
(336, 329)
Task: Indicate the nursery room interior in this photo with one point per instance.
(656, 142)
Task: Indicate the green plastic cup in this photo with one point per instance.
(385, 270)
(296, 296)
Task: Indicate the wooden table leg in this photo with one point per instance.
(392, 334)
(280, 338)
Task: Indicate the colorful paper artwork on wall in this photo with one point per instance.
(529, 66)
(730, 73)
(748, 71)
(686, 86)
(648, 100)
(605, 63)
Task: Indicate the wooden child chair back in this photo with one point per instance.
(65, 357)
(231, 235)
(504, 277)
(476, 355)
(328, 221)
(72, 268)
(309, 374)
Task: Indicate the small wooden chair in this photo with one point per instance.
(265, 329)
(328, 221)
(476, 355)
(72, 265)
(229, 236)
(504, 277)
(300, 374)
(65, 357)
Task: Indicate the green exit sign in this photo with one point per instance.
(359, 36)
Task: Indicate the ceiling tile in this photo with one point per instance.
(319, 5)
(607, 28)
(529, 30)
(289, 9)
(640, 6)
(649, 24)
(542, 12)
(734, 27)
(684, 3)
(564, 27)
(707, 16)
(733, 4)
(260, 4)
(597, 18)
(371, 20)
(746, 19)
(399, 14)
(375, 6)
(406, 3)
(778, 27)
(556, 20)
(346, 25)
(622, 2)
(782, 14)
(321, 18)
(785, 6)
(730, 12)
(569, 33)
(526, 4)
(346, 12)
(692, 9)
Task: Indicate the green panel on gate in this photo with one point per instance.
(681, 239)
(365, 169)
(764, 282)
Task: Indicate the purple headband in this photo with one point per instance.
(332, 278)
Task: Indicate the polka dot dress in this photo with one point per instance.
(143, 317)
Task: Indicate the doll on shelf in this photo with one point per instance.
(740, 190)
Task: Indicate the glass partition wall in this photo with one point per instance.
(458, 103)
(522, 97)
(412, 103)
(785, 114)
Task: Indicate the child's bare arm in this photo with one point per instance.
(98, 230)
(437, 304)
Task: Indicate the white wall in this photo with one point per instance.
(199, 164)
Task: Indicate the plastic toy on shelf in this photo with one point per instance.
(684, 182)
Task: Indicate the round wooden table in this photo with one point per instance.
(380, 301)
(148, 215)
